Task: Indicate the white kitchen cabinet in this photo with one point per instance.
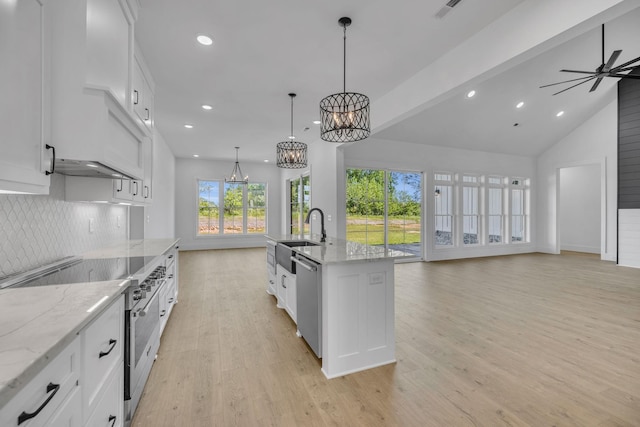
(286, 292)
(142, 92)
(92, 57)
(271, 284)
(46, 395)
(109, 410)
(69, 413)
(24, 126)
(102, 345)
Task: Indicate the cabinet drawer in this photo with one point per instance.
(69, 414)
(46, 391)
(109, 410)
(103, 352)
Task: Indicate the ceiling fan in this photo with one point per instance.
(605, 70)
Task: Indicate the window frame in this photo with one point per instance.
(440, 181)
(502, 187)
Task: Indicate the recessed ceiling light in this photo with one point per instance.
(560, 114)
(471, 94)
(91, 165)
(188, 126)
(316, 122)
(520, 104)
(266, 160)
(196, 155)
(206, 107)
(204, 40)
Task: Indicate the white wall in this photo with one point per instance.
(161, 214)
(592, 143)
(579, 205)
(376, 153)
(188, 171)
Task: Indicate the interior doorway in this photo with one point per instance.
(580, 209)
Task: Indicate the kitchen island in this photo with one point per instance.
(39, 322)
(356, 303)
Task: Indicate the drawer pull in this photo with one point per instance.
(163, 312)
(112, 420)
(50, 388)
(112, 343)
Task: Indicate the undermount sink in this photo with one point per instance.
(284, 253)
(295, 243)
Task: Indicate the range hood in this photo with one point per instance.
(88, 168)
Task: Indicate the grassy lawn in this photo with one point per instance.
(400, 230)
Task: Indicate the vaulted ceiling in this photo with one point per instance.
(264, 50)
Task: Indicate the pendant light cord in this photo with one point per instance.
(292, 118)
(344, 62)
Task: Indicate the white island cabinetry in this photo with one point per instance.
(356, 302)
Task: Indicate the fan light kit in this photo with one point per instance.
(344, 117)
(604, 70)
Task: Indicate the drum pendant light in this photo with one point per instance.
(344, 117)
(291, 154)
(236, 176)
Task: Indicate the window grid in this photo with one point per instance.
(443, 206)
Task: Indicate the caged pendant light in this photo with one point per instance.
(291, 154)
(344, 117)
(236, 176)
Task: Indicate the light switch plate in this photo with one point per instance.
(91, 225)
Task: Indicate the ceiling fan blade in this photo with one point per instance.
(566, 81)
(595, 85)
(625, 76)
(614, 56)
(577, 71)
(578, 84)
(619, 67)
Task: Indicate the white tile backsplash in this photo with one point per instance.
(36, 230)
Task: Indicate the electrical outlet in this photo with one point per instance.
(91, 225)
(118, 221)
(148, 219)
(329, 217)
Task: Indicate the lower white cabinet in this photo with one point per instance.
(69, 414)
(47, 395)
(102, 345)
(286, 291)
(109, 411)
(271, 284)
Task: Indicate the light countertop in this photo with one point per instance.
(36, 323)
(335, 251)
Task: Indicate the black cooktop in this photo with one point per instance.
(91, 270)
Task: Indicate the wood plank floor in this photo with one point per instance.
(524, 340)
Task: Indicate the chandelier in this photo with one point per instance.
(236, 176)
(344, 117)
(291, 154)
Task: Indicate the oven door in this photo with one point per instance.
(144, 341)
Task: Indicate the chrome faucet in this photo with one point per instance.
(306, 221)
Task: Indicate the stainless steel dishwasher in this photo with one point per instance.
(309, 301)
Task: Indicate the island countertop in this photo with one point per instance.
(36, 323)
(335, 250)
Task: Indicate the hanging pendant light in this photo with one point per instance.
(236, 176)
(344, 117)
(291, 154)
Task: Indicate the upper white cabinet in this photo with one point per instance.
(142, 89)
(92, 59)
(24, 126)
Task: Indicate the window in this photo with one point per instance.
(470, 210)
(299, 204)
(225, 208)
(384, 208)
(443, 205)
(519, 193)
(495, 209)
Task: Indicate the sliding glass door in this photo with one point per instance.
(384, 208)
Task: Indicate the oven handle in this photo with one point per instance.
(143, 311)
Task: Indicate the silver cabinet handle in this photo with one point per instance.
(304, 265)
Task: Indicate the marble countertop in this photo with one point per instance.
(335, 250)
(131, 248)
(36, 323)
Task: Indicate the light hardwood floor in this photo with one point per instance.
(524, 340)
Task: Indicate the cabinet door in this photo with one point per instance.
(147, 164)
(103, 344)
(110, 409)
(23, 127)
(69, 413)
(291, 300)
(122, 189)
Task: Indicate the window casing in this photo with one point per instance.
(495, 209)
(231, 209)
(444, 208)
(471, 210)
(519, 192)
(299, 204)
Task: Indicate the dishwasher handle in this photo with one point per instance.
(304, 265)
